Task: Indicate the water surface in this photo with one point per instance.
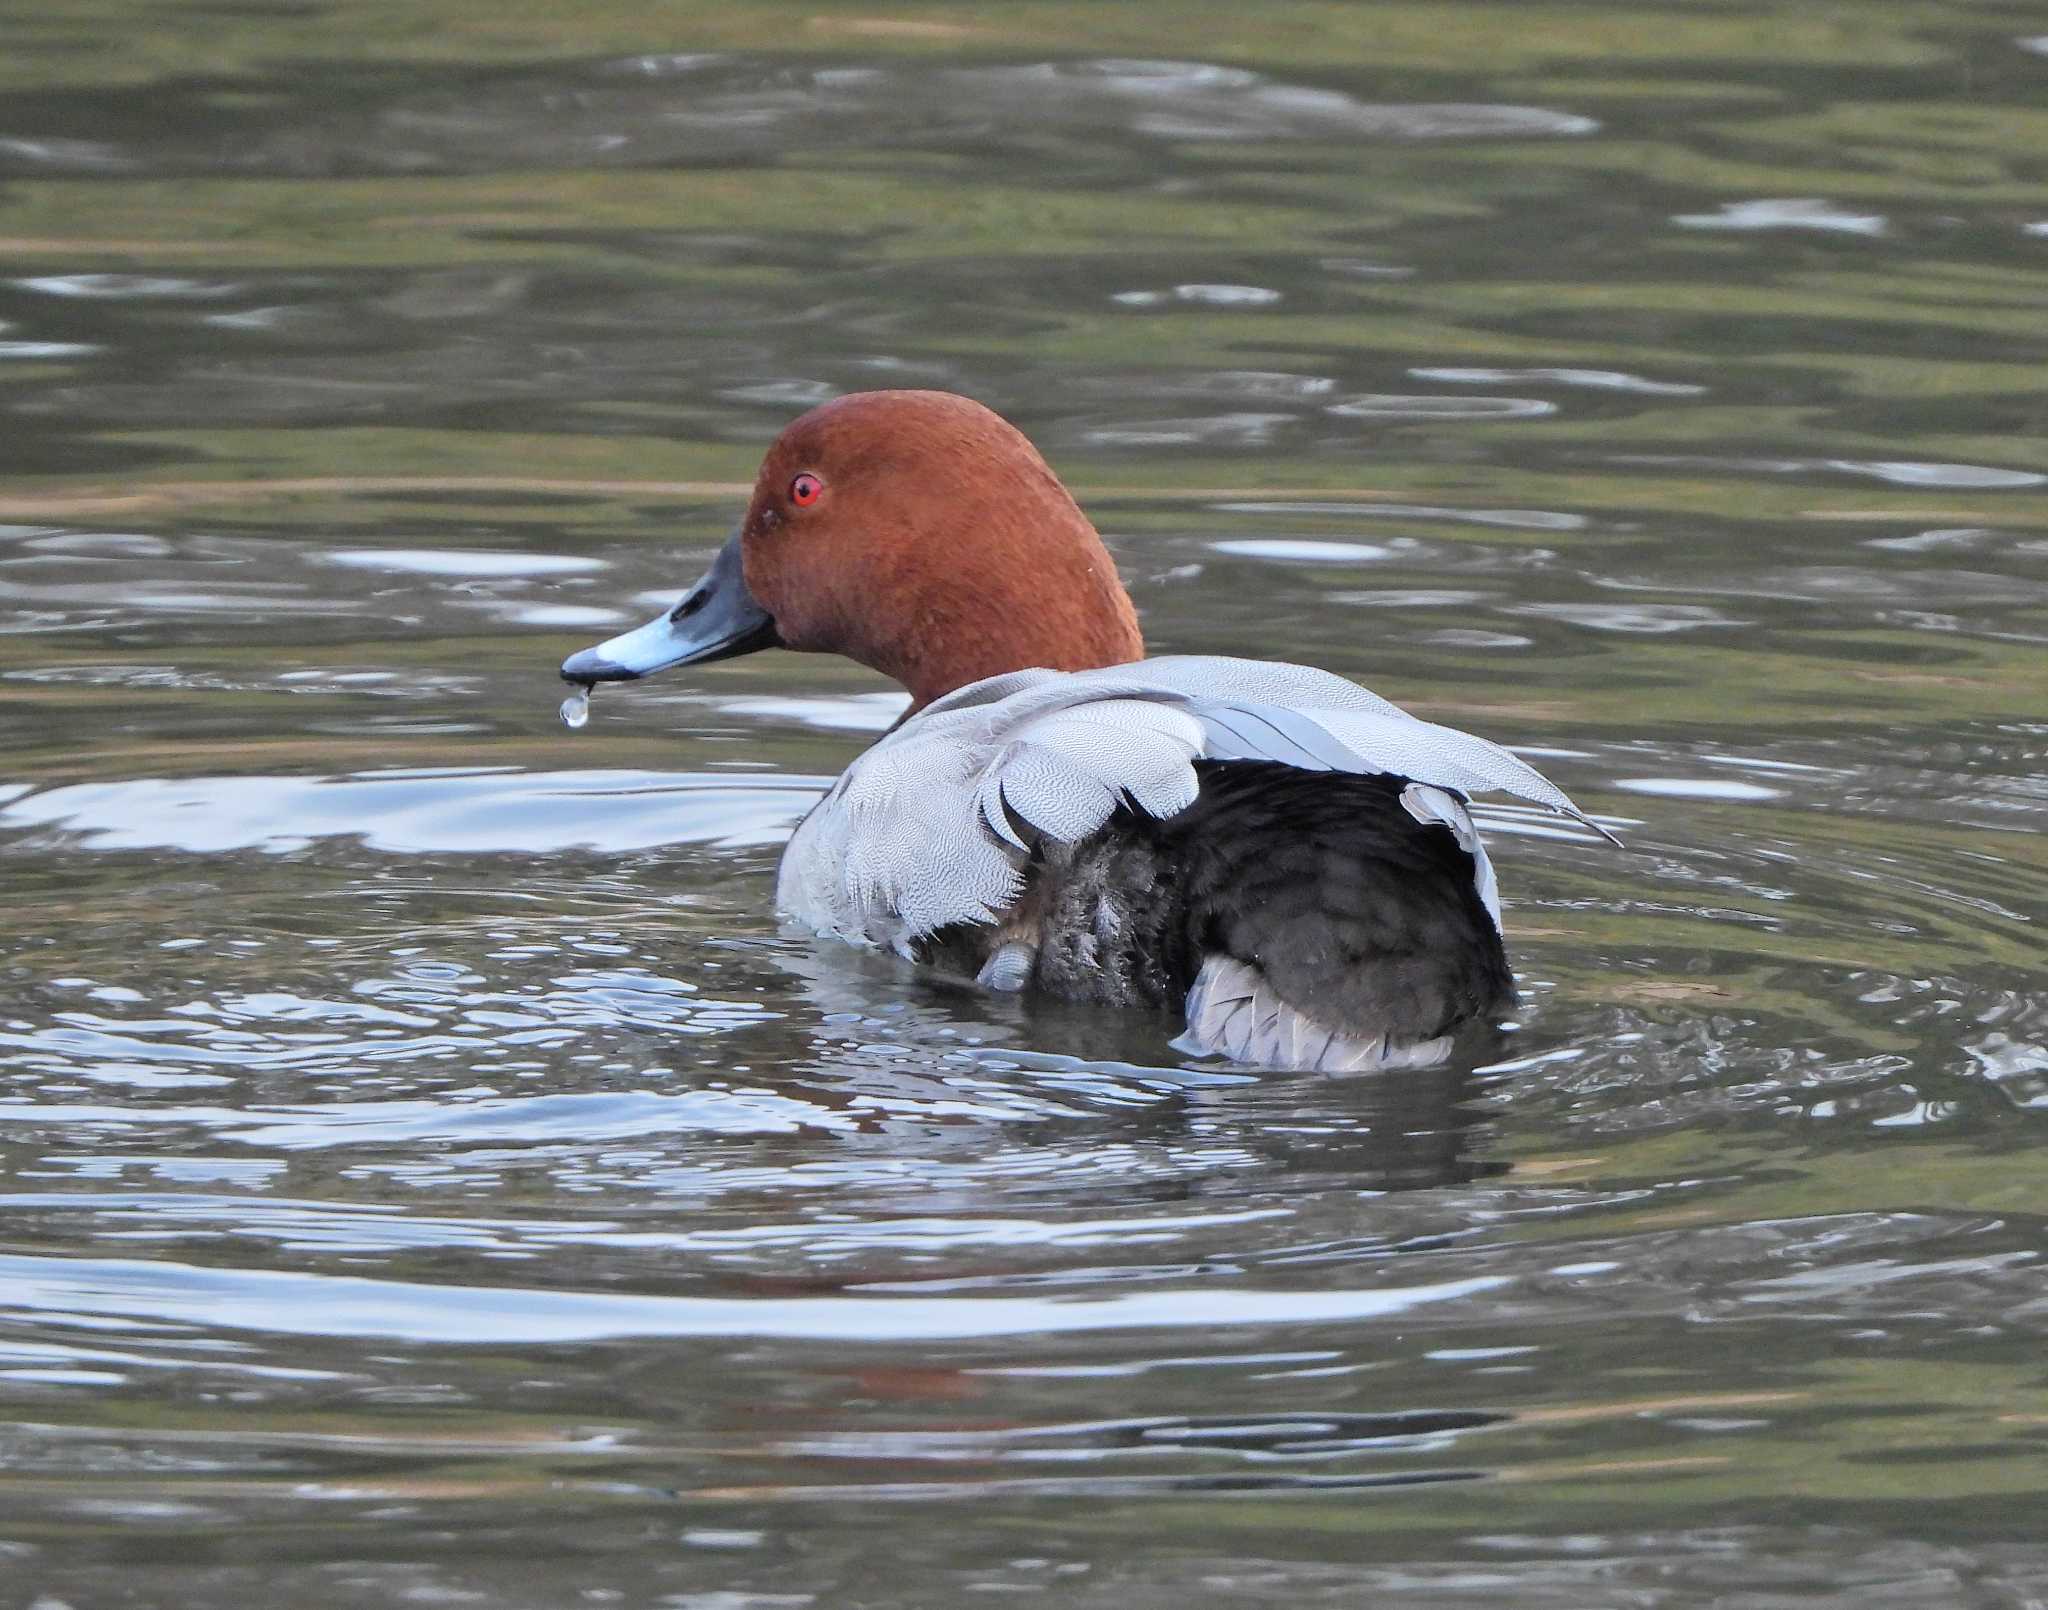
(430, 1174)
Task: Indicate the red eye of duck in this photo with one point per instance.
(805, 490)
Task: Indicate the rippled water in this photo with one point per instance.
(428, 1172)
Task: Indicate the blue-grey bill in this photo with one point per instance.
(717, 619)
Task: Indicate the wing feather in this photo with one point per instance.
(935, 824)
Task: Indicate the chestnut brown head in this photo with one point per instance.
(914, 531)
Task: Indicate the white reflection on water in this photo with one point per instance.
(1647, 619)
(1206, 295)
(2017, 1068)
(1695, 788)
(1217, 430)
(853, 712)
(1304, 551)
(1806, 213)
(289, 1303)
(125, 287)
(514, 613)
(458, 562)
(1595, 379)
(585, 1117)
(1899, 472)
(46, 349)
(311, 1225)
(89, 155)
(1943, 539)
(1514, 519)
(1388, 406)
(798, 394)
(530, 813)
(1246, 385)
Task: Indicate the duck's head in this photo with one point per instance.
(913, 531)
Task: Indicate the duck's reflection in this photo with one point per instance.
(893, 1041)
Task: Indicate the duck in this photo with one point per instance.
(1279, 860)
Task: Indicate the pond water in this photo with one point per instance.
(428, 1172)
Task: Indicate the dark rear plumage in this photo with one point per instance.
(1338, 904)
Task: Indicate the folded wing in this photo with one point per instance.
(936, 823)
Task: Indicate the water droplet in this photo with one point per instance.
(576, 709)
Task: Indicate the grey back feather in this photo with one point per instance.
(934, 824)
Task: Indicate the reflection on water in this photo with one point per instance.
(430, 1172)
(437, 808)
(648, 110)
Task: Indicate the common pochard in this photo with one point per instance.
(1268, 850)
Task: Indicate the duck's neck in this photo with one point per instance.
(1063, 610)
(957, 653)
